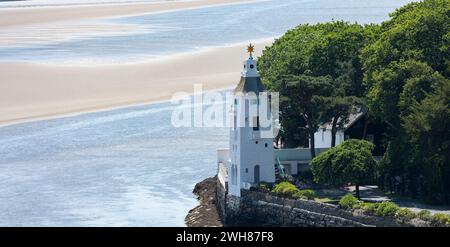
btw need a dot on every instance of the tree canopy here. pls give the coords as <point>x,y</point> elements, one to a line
<point>312,53</point>
<point>349,162</point>
<point>397,71</point>
<point>406,70</point>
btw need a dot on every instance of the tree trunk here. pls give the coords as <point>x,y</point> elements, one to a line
<point>333,131</point>
<point>366,123</point>
<point>312,144</point>
<point>357,191</point>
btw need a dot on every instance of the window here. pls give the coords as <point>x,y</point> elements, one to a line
<point>266,145</point>
<point>255,123</point>
<point>234,174</point>
<point>256,142</point>
<point>252,66</point>
<point>246,170</point>
<point>370,138</point>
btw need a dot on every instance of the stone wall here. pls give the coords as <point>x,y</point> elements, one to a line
<point>264,209</point>
<point>221,194</point>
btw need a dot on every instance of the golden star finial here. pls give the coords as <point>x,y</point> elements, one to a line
<point>250,49</point>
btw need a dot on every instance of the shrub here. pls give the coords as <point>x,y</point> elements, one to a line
<point>285,189</point>
<point>287,178</point>
<point>369,207</point>
<point>305,194</point>
<point>424,215</point>
<point>264,187</point>
<point>440,219</point>
<point>386,209</point>
<point>404,213</point>
<point>348,201</point>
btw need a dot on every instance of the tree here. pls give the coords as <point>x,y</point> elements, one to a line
<point>349,162</point>
<point>323,50</point>
<point>418,31</point>
<point>302,94</point>
<point>345,99</point>
<point>428,126</point>
<point>405,64</point>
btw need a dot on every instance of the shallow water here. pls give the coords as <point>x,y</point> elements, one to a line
<point>148,36</point>
<point>59,3</point>
<point>124,167</point>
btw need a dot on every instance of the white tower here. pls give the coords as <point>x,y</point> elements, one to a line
<point>251,144</point>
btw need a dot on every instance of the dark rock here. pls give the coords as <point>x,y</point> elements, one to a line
<point>205,214</point>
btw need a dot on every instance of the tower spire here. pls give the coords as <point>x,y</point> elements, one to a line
<point>250,49</point>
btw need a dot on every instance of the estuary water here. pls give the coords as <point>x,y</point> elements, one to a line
<point>142,37</point>
<point>123,167</point>
<point>129,166</point>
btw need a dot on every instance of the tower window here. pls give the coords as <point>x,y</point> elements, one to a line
<point>255,123</point>
<point>256,142</point>
<point>246,170</point>
<point>265,145</point>
<point>252,66</point>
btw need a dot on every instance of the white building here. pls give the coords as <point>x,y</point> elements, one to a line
<point>250,157</point>
<point>322,138</point>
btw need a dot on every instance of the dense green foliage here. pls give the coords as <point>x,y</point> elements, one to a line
<point>349,162</point>
<point>386,209</point>
<point>285,189</point>
<point>317,71</point>
<point>348,201</point>
<point>305,194</point>
<point>440,219</point>
<point>289,190</point>
<point>406,74</point>
<point>397,72</point>
<point>424,214</point>
<point>405,214</point>
<point>264,187</point>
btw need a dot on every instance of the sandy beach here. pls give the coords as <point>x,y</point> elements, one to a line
<point>30,91</point>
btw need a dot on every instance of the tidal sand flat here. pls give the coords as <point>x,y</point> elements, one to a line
<point>14,14</point>
<point>48,90</point>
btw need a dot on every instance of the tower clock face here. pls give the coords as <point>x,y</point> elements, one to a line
<point>252,66</point>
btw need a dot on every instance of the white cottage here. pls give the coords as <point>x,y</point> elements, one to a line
<point>250,157</point>
<point>322,138</point>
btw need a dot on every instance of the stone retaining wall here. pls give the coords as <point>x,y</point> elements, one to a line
<point>264,209</point>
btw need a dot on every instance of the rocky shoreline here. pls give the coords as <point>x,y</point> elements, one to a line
<point>205,214</point>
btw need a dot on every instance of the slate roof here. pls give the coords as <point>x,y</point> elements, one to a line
<point>250,84</point>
